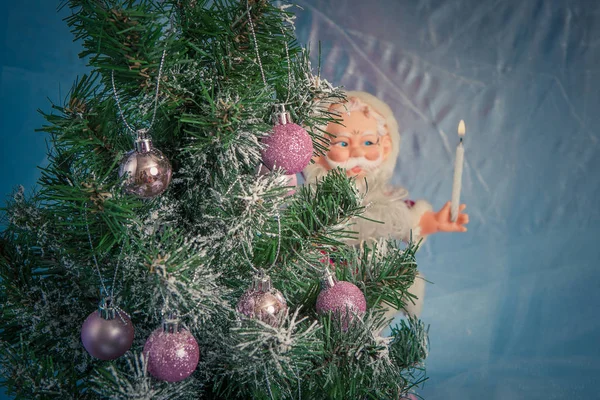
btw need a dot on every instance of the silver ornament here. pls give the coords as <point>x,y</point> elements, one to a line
<point>148,172</point>
<point>263,302</point>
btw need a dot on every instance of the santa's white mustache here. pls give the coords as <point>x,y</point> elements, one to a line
<point>352,162</point>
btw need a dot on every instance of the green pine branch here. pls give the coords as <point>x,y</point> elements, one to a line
<point>195,249</point>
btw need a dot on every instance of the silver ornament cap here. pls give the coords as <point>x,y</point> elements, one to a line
<point>107,309</point>
<point>171,324</point>
<point>281,116</point>
<point>262,283</point>
<point>143,145</point>
<point>328,280</point>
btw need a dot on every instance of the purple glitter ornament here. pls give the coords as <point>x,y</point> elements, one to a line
<point>340,297</point>
<point>288,147</point>
<point>263,302</point>
<point>172,352</point>
<point>107,333</point>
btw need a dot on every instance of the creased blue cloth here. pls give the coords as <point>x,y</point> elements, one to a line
<point>514,302</point>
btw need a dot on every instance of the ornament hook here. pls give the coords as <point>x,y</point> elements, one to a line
<point>262,282</point>
<point>328,280</point>
<point>171,323</point>
<point>143,143</point>
<point>281,116</point>
<point>107,309</point>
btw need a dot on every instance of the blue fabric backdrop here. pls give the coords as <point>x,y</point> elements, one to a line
<point>513,306</point>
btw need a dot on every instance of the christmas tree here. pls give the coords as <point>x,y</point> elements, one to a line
<point>155,261</point>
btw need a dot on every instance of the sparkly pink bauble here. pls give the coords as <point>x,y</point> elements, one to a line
<point>107,339</point>
<point>341,296</point>
<point>171,357</point>
<point>289,147</point>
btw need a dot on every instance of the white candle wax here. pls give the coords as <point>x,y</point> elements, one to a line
<point>457,182</point>
<point>458,167</point>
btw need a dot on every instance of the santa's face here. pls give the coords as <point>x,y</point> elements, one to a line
<point>356,143</point>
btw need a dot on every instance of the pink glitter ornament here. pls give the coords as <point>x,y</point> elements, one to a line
<point>288,147</point>
<point>340,297</point>
<point>172,352</point>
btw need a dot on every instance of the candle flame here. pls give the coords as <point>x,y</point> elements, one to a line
<point>461,128</point>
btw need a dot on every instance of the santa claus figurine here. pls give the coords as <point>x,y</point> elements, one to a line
<point>365,141</point>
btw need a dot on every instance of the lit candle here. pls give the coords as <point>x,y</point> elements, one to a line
<point>458,167</point>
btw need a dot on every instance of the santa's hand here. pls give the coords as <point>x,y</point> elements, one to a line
<point>445,220</point>
<point>441,221</point>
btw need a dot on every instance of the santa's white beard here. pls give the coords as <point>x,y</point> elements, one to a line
<point>352,162</point>
<point>383,203</point>
<point>374,174</point>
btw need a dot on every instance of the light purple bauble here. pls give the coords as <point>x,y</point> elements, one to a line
<point>171,357</point>
<point>107,339</point>
<point>267,307</point>
<point>341,296</point>
<point>147,174</point>
<point>288,147</point>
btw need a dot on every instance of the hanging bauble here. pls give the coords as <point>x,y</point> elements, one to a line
<point>148,172</point>
<point>171,352</point>
<point>107,333</point>
<point>262,301</point>
<point>341,298</point>
<point>288,146</point>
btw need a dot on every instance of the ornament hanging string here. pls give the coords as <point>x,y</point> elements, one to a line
<point>97,267</point>
<point>288,146</point>
<point>278,241</point>
<point>278,237</point>
<point>158,79</point>
<point>268,383</point>
<point>320,270</point>
<point>259,61</point>
<point>262,71</point>
<point>256,270</point>
<point>287,57</point>
<point>299,382</point>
